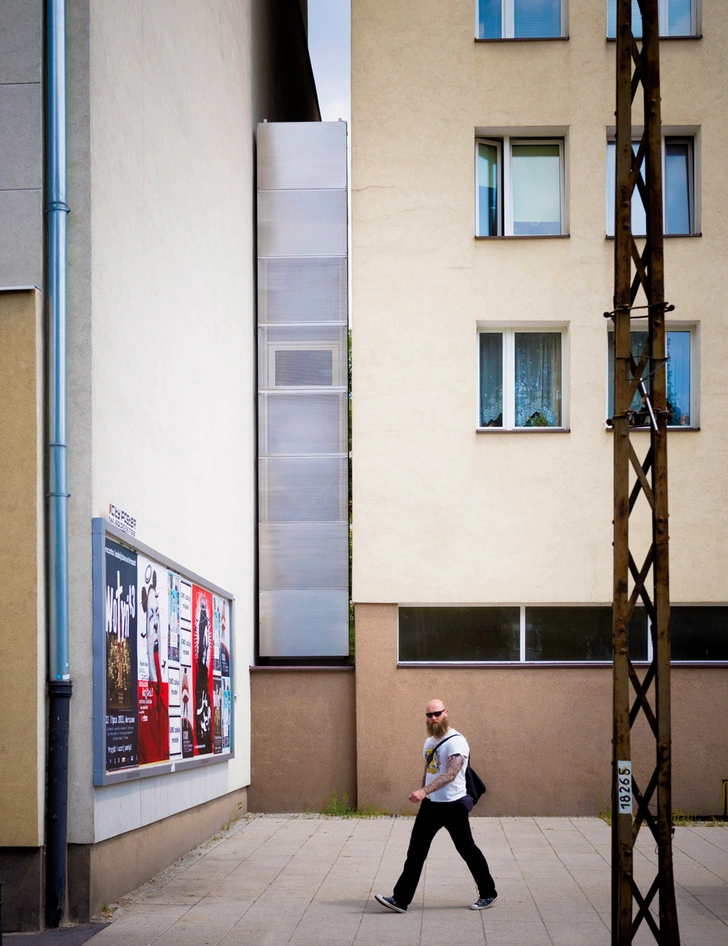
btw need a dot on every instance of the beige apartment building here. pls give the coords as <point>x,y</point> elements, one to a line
<point>482,454</point>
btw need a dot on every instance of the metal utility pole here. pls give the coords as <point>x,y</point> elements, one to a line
<point>640,577</point>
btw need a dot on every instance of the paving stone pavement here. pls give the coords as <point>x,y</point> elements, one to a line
<point>282,880</point>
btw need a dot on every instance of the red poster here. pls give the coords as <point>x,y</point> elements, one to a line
<point>153,680</point>
<point>202,663</point>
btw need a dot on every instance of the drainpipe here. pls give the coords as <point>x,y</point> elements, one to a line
<point>59,676</point>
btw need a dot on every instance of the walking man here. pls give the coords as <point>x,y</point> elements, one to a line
<point>444,803</point>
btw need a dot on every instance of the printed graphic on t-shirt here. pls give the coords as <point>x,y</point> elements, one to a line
<point>434,764</point>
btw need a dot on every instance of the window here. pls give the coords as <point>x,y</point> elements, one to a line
<point>520,186</point>
<point>677,18</point>
<point>518,19</point>
<point>554,634</point>
<point>521,378</point>
<point>681,388</point>
<point>516,634</point>
<point>678,188</point>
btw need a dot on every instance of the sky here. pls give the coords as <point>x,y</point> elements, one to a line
<point>329,27</point>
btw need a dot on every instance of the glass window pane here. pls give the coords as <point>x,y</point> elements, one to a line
<point>536,18</point>
<point>487,190</point>
<point>538,379</point>
<point>678,379</point>
<point>489,19</point>
<point>699,633</point>
<point>679,20</point>
<point>611,181</point>
<point>491,379</point>
<point>612,19</point>
<point>294,368</point>
<point>459,634</point>
<point>639,218</point>
<point>677,187</point>
<point>579,633</point>
<point>536,181</point>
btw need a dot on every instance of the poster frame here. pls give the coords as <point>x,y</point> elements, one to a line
<point>101,530</point>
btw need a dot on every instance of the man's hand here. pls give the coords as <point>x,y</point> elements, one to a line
<point>418,796</point>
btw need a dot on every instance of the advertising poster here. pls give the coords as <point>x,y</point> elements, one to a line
<point>120,626</point>
<point>226,713</point>
<point>225,639</point>
<point>152,662</point>
<point>173,623</point>
<point>187,721</point>
<point>162,663</point>
<point>202,669</point>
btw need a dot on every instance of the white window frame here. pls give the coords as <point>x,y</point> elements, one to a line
<point>663,12</point>
<point>508,21</point>
<point>508,330</point>
<point>679,135</point>
<point>694,329</point>
<point>332,346</point>
<point>503,145</point>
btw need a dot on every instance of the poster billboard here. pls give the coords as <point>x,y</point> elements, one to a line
<point>163,667</point>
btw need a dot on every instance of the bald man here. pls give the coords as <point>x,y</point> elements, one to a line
<point>444,803</point>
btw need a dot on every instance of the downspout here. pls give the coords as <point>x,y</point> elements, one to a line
<point>59,676</point>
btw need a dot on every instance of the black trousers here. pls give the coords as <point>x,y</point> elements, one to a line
<point>432,816</point>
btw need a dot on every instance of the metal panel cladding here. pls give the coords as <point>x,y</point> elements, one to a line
<point>302,390</point>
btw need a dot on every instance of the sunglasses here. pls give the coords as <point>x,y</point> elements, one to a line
<point>435,714</point>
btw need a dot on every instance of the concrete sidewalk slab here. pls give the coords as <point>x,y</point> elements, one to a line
<point>309,880</point>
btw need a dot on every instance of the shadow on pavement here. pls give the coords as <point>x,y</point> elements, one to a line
<point>65,936</point>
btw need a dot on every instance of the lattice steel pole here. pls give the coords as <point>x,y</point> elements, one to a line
<point>641,376</point>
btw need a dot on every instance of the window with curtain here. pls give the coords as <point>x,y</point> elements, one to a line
<point>521,379</point>
<point>519,19</point>
<point>678,188</point>
<point>519,187</point>
<point>677,18</point>
<point>680,394</point>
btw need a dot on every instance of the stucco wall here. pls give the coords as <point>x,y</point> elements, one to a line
<point>539,736</point>
<point>303,738</point>
<point>442,514</point>
<point>21,130</point>
<point>164,400</point>
<point>22,602</point>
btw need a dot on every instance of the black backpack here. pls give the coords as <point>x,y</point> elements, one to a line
<point>474,784</point>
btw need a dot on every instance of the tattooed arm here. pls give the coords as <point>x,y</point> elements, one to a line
<point>454,764</point>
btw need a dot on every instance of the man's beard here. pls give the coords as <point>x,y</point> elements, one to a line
<point>437,727</point>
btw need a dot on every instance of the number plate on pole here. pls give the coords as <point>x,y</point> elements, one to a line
<point>624,787</point>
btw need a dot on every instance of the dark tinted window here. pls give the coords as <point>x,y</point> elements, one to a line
<point>459,633</point>
<point>581,633</point>
<point>699,633</point>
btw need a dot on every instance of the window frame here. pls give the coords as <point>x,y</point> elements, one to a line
<point>294,345</point>
<point>689,136</point>
<point>504,149</point>
<point>694,329</point>
<point>663,14</point>
<point>533,664</point>
<point>508,24</point>
<point>508,330</point>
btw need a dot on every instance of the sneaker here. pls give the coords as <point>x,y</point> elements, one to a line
<point>484,902</point>
<point>390,903</point>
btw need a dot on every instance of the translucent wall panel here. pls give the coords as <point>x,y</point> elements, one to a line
<point>298,289</point>
<point>302,622</point>
<point>302,391</point>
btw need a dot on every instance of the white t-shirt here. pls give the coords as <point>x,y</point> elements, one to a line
<point>458,745</point>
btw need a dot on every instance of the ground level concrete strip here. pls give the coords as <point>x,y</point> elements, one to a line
<point>299,880</point>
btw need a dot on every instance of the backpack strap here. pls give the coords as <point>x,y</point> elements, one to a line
<point>431,752</point>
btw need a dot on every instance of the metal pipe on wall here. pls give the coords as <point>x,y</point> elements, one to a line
<point>59,677</point>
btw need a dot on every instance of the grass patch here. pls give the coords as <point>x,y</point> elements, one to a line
<point>340,808</point>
